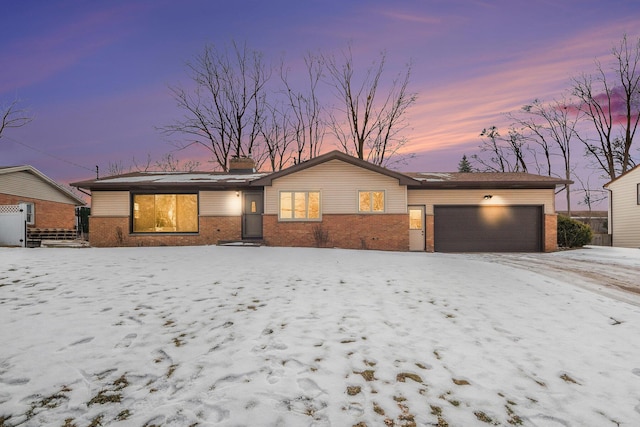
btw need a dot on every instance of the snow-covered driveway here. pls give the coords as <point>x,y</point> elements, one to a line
<point>228,336</point>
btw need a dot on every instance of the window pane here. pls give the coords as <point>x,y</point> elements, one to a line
<point>300,201</point>
<point>187,213</point>
<point>30,215</point>
<point>165,212</point>
<point>415,219</point>
<point>314,205</point>
<point>378,201</point>
<point>143,213</point>
<point>365,201</point>
<point>285,205</point>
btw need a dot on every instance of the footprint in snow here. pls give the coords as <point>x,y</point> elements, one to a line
<point>83,341</point>
<point>310,387</point>
<point>636,371</point>
<point>14,381</point>
<point>126,341</point>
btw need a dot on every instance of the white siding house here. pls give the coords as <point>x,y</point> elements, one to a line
<point>624,209</point>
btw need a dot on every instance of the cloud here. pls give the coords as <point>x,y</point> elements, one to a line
<point>453,112</point>
<point>35,59</point>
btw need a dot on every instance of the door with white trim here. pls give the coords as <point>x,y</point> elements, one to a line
<point>416,228</point>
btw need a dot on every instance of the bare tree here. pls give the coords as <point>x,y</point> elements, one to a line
<point>306,112</point>
<point>225,109</point>
<point>169,163</point>
<point>370,122</point>
<point>506,154</point>
<point>611,101</point>
<point>553,129</point>
<point>13,117</point>
<point>278,137</point>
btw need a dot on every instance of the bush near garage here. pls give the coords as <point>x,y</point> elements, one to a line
<point>572,233</point>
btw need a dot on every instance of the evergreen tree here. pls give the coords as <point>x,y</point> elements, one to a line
<point>464,165</point>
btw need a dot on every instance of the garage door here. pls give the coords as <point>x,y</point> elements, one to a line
<point>488,228</point>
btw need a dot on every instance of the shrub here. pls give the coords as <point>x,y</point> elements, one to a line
<point>320,236</point>
<point>572,233</point>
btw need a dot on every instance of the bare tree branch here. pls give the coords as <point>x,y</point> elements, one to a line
<point>611,101</point>
<point>225,109</point>
<point>368,125</point>
<point>13,117</point>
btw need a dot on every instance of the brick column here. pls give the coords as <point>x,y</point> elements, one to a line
<point>550,232</point>
<point>429,233</point>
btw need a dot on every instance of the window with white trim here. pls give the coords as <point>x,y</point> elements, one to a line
<point>371,201</point>
<point>31,213</point>
<point>299,206</point>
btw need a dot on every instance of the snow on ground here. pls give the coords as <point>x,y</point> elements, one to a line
<point>244,336</point>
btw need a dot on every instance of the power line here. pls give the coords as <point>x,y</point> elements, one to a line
<point>49,154</point>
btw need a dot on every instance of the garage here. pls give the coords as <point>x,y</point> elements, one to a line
<point>488,228</point>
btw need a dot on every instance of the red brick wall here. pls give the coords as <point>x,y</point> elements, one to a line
<point>388,232</point>
<point>550,233</point>
<point>48,214</point>
<point>430,246</point>
<point>114,231</point>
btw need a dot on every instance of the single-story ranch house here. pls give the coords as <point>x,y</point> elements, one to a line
<point>334,200</point>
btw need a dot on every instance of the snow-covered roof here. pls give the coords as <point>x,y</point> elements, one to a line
<point>154,178</point>
<point>233,179</point>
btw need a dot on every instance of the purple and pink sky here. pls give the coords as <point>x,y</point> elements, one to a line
<point>95,75</point>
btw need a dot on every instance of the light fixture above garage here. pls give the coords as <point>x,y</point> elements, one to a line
<point>487,196</point>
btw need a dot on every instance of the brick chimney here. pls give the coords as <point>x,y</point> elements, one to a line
<point>242,165</point>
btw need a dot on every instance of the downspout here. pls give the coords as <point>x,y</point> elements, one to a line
<point>610,215</point>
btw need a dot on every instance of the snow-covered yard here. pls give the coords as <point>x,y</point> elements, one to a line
<point>233,336</point>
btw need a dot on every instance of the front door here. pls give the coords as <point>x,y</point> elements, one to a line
<point>416,228</point>
<point>252,215</point>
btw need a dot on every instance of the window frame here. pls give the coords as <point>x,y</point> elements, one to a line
<point>293,218</point>
<point>133,194</point>
<point>31,212</point>
<point>371,211</point>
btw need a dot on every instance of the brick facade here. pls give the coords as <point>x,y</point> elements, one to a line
<point>47,214</point>
<point>114,231</point>
<point>429,225</point>
<point>388,232</point>
<point>550,233</point>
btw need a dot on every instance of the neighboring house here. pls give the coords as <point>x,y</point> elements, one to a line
<point>48,204</point>
<point>624,209</point>
<point>333,200</point>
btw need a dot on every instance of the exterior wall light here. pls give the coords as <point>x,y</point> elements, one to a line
<point>487,196</point>
<point>237,194</point>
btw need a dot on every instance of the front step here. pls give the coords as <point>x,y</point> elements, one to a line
<point>244,242</point>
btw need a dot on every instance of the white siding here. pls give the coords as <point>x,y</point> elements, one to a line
<point>338,183</point>
<point>625,211</point>
<point>429,198</point>
<point>110,203</point>
<point>25,184</point>
<point>220,203</point>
